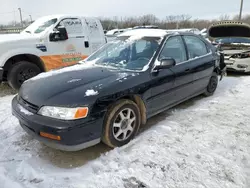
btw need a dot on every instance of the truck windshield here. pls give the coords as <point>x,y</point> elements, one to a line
<point>40,25</point>
<point>125,53</point>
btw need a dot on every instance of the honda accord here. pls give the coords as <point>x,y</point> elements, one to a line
<point>109,95</point>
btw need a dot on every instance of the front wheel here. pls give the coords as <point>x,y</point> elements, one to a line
<point>212,85</point>
<point>121,124</point>
<point>21,72</point>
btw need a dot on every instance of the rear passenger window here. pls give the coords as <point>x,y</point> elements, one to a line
<point>196,47</point>
<point>174,48</point>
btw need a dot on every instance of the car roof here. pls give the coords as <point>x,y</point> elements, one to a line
<point>153,33</point>
<point>145,33</point>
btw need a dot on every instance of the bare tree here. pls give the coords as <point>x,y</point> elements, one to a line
<point>170,21</point>
<point>148,19</point>
<point>224,17</point>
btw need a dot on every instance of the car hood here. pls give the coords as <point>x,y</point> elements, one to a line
<point>235,48</point>
<point>71,85</point>
<point>229,29</point>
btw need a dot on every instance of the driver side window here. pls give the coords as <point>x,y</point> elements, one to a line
<point>73,26</point>
<point>174,48</point>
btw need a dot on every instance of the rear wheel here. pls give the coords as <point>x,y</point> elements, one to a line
<point>20,72</point>
<point>121,123</point>
<point>212,85</point>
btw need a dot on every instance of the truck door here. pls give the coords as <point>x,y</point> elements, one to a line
<point>70,51</point>
<point>96,37</point>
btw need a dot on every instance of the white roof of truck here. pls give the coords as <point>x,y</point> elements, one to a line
<point>52,16</point>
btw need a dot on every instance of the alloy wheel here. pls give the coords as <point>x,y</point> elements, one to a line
<point>124,124</point>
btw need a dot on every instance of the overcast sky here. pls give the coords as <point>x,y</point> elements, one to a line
<point>110,8</point>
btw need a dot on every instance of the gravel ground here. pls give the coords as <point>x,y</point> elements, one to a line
<point>5,90</point>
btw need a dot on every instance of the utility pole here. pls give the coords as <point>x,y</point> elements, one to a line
<point>30,19</point>
<point>241,7</point>
<point>21,18</point>
<point>14,18</point>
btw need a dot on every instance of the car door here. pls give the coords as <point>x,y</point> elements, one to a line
<point>171,84</point>
<point>175,48</point>
<point>67,52</point>
<point>201,62</point>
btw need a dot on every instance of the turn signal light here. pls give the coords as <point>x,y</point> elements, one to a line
<point>50,136</point>
<point>81,113</point>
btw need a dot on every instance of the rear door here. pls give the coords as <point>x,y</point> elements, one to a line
<point>96,36</point>
<point>201,62</point>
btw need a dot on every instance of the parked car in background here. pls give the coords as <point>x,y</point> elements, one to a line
<point>146,27</point>
<point>49,43</point>
<point>108,96</point>
<point>112,34</point>
<point>233,39</point>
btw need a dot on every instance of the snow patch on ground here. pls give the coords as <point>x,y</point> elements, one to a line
<point>203,143</point>
<point>91,92</point>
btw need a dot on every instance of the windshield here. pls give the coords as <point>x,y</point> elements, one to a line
<point>126,53</point>
<point>232,40</point>
<point>40,25</point>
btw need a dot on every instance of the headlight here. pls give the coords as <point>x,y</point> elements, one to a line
<point>64,113</point>
<point>242,66</point>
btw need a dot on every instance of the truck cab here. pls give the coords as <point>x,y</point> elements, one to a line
<point>48,43</point>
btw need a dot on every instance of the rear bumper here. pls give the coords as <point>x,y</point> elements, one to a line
<point>1,75</point>
<point>75,135</point>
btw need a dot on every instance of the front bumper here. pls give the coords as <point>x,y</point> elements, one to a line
<point>1,75</point>
<point>238,65</point>
<point>75,135</point>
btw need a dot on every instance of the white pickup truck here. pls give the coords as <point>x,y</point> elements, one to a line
<point>49,43</point>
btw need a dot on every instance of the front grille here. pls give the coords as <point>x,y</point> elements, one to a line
<point>29,106</point>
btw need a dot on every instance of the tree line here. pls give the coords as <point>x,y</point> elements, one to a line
<point>170,22</point>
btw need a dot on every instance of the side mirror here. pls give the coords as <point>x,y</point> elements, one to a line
<point>59,35</point>
<point>165,63</point>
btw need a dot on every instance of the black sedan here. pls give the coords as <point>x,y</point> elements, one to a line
<point>114,91</point>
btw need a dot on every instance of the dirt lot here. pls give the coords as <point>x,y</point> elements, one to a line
<point>6,90</point>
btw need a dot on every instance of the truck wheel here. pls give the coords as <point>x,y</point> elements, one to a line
<point>20,72</point>
<point>212,85</point>
<point>121,123</point>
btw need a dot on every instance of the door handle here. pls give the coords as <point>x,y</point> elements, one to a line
<point>187,70</point>
<point>86,44</point>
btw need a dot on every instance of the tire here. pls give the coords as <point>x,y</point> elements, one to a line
<point>212,85</point>
<point>20,72</point>
<point>111,136</point>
